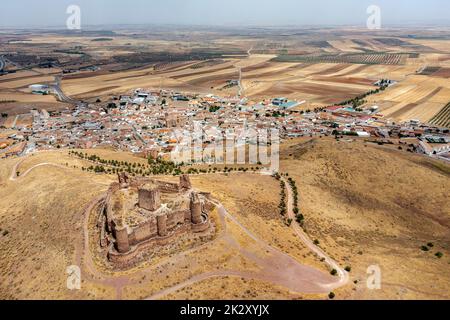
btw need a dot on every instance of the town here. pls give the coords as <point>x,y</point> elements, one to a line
<point>145,121</point>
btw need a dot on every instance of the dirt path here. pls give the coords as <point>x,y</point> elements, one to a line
<point>342,274</point>
<point>241,87</point>
<point>13,176</point>
<point>16,166</point>
<point>275,266</point>
<point>196,279</point>
<point>85,261</point>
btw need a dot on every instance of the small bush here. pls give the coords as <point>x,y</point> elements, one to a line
<point>331,295</point>
<point>316,242</point>
<point>439,254</point>
<point>430,244</point>
<point>424,248</point>
<point>333,272</point>
<point>348,268</point>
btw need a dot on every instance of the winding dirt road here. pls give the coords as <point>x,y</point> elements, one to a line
<point>275,266</point>
<point>341,273</point>
<point>14,176</point>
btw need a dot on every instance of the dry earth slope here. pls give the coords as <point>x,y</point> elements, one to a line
<point>371,206</point>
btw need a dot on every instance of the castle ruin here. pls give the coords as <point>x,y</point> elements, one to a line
<point>141,213</point>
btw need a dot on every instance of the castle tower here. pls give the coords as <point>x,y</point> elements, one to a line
<point>185,182</point>
<point>162,225</point>
<point>149,197</point>
<point>122,243</point>
<point>196,209</point>
<point>123,178</point>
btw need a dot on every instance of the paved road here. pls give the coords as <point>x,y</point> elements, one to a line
<point>15,122</point>
<point>2,63</point>
<point>60,93</point>
<point>138,135</point>
<point>241,87</point>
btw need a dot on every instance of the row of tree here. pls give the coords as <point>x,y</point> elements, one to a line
<point>298,216</point>
<point>358,100</point>
<point>154,166</point>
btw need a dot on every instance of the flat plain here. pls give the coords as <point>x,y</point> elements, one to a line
<point>319,66</point>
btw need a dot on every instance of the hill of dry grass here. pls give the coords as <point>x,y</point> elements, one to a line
<point>371,206</point>
<point>366,205</point>
<point>43,214</point>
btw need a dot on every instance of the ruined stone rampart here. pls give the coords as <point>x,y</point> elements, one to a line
<point>187,213</point>
<point>108,207</point>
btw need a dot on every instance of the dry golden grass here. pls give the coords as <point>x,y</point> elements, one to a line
<point>371,206</point>
<point>41,212</point>
<point>236,288</point>
<point>254,199</point>
<point>25,97</point>
<point>20,83</point>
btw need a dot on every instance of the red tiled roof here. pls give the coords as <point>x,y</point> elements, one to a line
<point>333,108</point>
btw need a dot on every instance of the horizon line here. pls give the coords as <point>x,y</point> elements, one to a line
<point>418,24</point>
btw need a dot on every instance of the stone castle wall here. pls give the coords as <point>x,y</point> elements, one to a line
<point>161,227</point>
<point>149,197</point>
<point>109,213</point>
<point>166,187</point>
<point>144,231</point>
<point>129,259</point>
<point>174,218</point>
<point>122,238</point>
<point>157,226</point>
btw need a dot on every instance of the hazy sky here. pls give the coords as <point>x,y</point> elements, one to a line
<point>222,12</point>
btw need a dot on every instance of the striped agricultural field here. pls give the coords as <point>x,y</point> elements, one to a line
<point>442,119</point>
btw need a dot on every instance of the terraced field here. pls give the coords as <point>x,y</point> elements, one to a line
<point>417,97</point>
<point>366,58</point>
<point>443,117</point>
